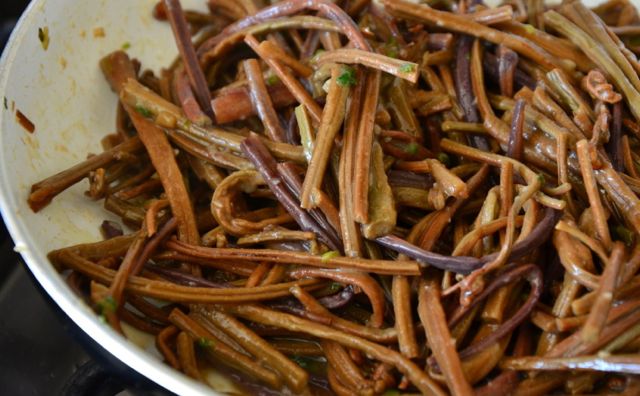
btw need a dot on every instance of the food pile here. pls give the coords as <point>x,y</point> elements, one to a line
<point>376,197</point>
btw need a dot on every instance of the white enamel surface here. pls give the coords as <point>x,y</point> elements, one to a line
<point>63,92</point>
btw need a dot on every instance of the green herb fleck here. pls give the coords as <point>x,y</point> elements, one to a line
<point>43,36</point>
<point>272,80</point>
<point>634,41</point>
<point>529,28</point>
<point>205,343</point>
<point>391,392</point>
<point>407,68</point>
<point>300,361</point>
<point>126,46</point>
<point>107,305</point>
<point>541,179</point>
<point>412,148</point>
<point>445,159</point>
<point>329,255</point>
<point>391,48</point>
<point>102,318</point>
<point>335,287</point>
<point>144,111</point>
<point>624,234</point>
<point>348,77</point>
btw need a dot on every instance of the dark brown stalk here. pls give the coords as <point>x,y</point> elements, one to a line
<point>233,104</point>
<point>188,53</point>
<point>345,368</point>
<point>614,146</point>
<point>162,157</point>
<point>387,267</point>
<point>460,24</point>
<point>287,8</point>
<point>533,275</point>
<point>224,353</point>
<point>44,191</point>
<point>467,264</point>
<point>604,296</point>
<point>326,213</point>
<point>188,101</point>
<point>507,66</point>
<point>153,243</point>
<point>491,68</point>
<point>293,375</point>
<point>162,343</point>
<point>620,363</point>
<point>255,150</point>
<point>358,279</point>
<point>443,346</point>
<point>516,134</point>
<point>464,91</point>
<point>262,101</point>
<point>339,299</point>
<point>167,291</point>
<point>272,318</point>
<point>289,80</point>
<point>402,309</point>
<point>404,178</point>
<point>187,356</point>
<point>364,146</point>
<point>330,122</point>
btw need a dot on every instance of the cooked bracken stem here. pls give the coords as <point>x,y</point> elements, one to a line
<point>277,256</point>
<point>259,155</point>
<point>332,117</point>
<point>364,148</point>
<point>189,57</point>
<point>516,135</point>
<point>262,101</point>
<point>443,346</point>
<point>294,86</point>
<point>273,318</point>
<point>598,316</point>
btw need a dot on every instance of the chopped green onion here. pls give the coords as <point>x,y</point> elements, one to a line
<point>348,77</point>
<point>407,68</point>
<point>144,111</point>
<point>623,234</point>
<point>445,159</point>
<point>272,80</point>
<point>107,305</point>
<point>335,286</point>
<point>126,46</point>
<point>411,148</point>
<point>541,179</point>
<point>329,255</point>
<point>391,48</point>
<point>300,361</point>
<point>205,343</point>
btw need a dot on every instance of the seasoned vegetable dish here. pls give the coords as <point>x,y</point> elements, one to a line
<point>376,197</point>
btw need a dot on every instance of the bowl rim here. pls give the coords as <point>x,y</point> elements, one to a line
<point>49,278</point>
